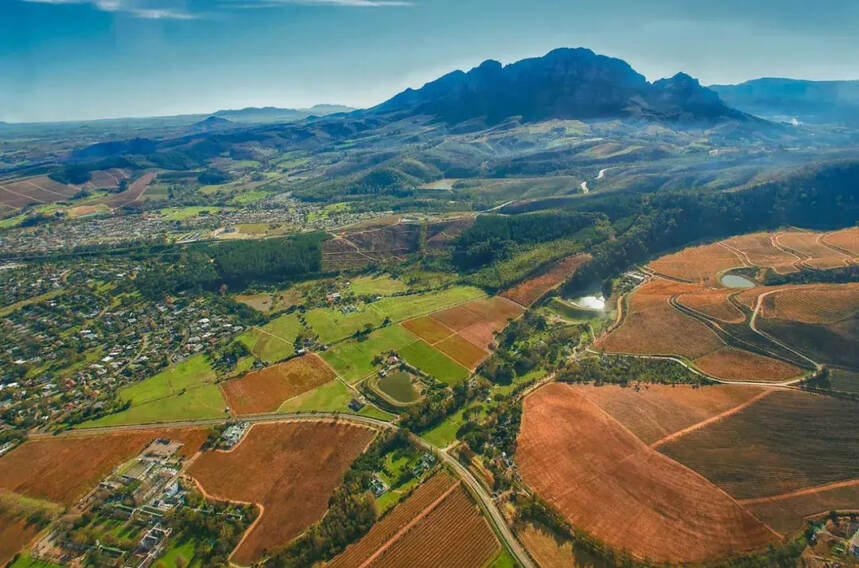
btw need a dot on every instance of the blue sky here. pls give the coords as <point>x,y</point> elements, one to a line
<point>81,59</point>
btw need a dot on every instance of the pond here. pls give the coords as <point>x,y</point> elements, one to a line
<point>592,302</point>
<point>736,281</point>
<point>399,387</point>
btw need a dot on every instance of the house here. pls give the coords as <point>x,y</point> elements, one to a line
<point>853,545</point>
<point>377,486</point>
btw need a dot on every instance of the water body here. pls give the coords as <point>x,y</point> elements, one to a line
<point>592,302</point>
<point>736,281</point>
<point>399,387</point>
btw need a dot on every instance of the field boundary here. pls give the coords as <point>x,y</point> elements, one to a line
<point>799,492</point>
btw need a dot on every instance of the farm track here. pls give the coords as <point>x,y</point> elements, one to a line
<point>799,492</point>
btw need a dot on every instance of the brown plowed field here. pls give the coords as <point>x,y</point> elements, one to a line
<point>813,303</point>
<point>133,193</point>
<point>463,352</point>
<point>428,329</point>
<point>732,364</point>
<point>786,514</point>
<point>845,239</point>
<point>289,468</point>
<point>606,481</point>
<point>814,253</point>
<point>15,533</point>
<point>478,321</point>
<point>653,326</point>
<point>40,189</point>
<point>529,291</point>
<point>697,264</point>
<point>714,303</point>
<point>759,249</point>
<point>265,390</point>
<point>454,534</point>
<point>655,411</point>
<point>787,441</point>
<point>64,469</point>
<point>385,529</point>
<point>749,296</point>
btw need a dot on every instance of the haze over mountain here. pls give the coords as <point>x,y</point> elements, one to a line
<point>785,99</point>
<point>565,83</point>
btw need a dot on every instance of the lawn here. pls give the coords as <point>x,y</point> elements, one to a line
<point>380,284</point>
<point>24,560</point>
<point>353,359</point>
<point>190,373</point>
<point>433,363</point>
<point>275,340</point>
<point>444,434</point>
<point>181,213</point>
<point>198,403</point>
<point>184,549</point>
<point>331,324</point>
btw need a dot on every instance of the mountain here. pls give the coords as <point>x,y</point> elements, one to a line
<point>786,99</point>
<point>210,124</point>
<point>275,114</point>
<point>565,83</point>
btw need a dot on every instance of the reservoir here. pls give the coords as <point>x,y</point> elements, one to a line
<point>736,281</point>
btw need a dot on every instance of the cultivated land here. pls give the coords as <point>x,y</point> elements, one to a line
<point>275,340</point>
<point>34,190</point>
<point>787,513</point>
<point>700,264</point>
<point>478,321</point>
<point>544,547</point>
<point>811,248</point>
<point>760,249</point>
<point>713,303</point>
<point>389,528</point>
<point>529,291</point>
<point>382,285</point>
<point>450,532</point>
<point>289,468</point>
<point>266,389</point>
<point>733,364</point>
<point>64,469</point>
<point>846,240</point>
<point>15,531</point>
<point>353,359</point>
<point>433,363</point>
<point>609,483</point>
<point>787,441</point>
<point>656,411</point>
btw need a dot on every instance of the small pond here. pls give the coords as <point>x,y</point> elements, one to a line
<point>399,387</point>
<point>736,281</point>
<point>593,302</point>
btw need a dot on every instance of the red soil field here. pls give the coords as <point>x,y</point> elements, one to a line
<point>40,189</point>
<point>699,264</point>
<point>453,534</point>
<point>266,389</point>
<point>749,296</point>
<point>529,291</point>
<point>786,513</point>
<point>400,516</point>
<point>65,468</point>
<point>107,179</point>
<point>653,326</point>
<point>814,253</point>
<point>758,249</point>
<point>845,239</point>
<point>607,482</point>
<point>544,548</point>
<point>15,533</point>
<point>714,303</point>
<point>289,468</point>
<point>732,364</point>
<point>463,352</point>
<point>787,441</point>
<point>133,193</point>
<point>656,411</point>
<point>814,303</point>
<point>428,329</point>
<point>478,321</point>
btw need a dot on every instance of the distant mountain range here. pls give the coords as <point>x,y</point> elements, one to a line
<point>565,83</point>
<point>786,99</point>
<point>275,114</point>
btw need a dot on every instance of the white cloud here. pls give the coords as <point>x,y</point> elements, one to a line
<point>136,8</point>
<point>347,3</point>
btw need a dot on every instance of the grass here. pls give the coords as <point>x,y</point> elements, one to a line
<point>434,363</point>
<point>24,560</point>
<point>505,272</point>
<point>444,434</point>
<point>189,374</point>
<point>332,325</point>
<point>330,397</point>
<point>11,222</point>
<point>6,310</point>
<point>275,340</point>
<point>181,213</point>
<point>382,285</point>
<point>250,196</point>
<point>502,560</point>
<point>844,380</point>
<point>199,403</point>
<point>185,549</point>
<point>353,359</point>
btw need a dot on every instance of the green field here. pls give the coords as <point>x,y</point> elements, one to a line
<point>444,434</point>
<point>190,373</point>
<point>275,340</point>
<point>198,403</point>
<point>382,285</point>
<point>433,363</point>
<point>330,397</point>
<point>332,325</point>
<point>24,560</point>
<point>844,380</point>
<point>184,549</point>
<point>181,213</point>
<point>353,359</point>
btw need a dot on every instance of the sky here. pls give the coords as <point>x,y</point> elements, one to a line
<point>87,59</point>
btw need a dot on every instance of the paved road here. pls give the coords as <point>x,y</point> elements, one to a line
<point>485,500</point>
